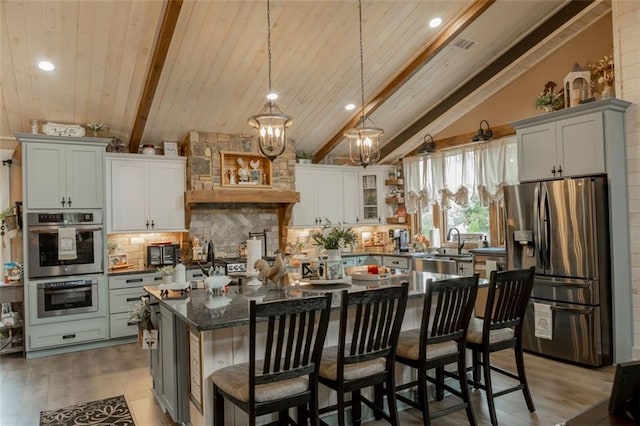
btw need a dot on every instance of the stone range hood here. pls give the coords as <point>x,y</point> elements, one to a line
<point>205,191</point>
<point>283,200</point>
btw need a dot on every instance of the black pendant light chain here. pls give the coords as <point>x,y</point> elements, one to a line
<point>361,61</point>
<point>269,41</point>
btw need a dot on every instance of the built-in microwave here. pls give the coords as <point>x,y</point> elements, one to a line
<point>64,243</point>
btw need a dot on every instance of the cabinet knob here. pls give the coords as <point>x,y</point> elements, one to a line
<point>379,219</point>
<point>147,224</point>
<point>69,201</point>
<point>63,202</point>
<point>559,173</point>
<point>553,170</point>
<point>152,224</point>
<point>357,219</point>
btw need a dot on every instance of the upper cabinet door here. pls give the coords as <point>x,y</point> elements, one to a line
<point>304,213</point>
<point>580,145</point>
<point>128,195</point>
<point>64,176</point>
<point>328,196</point>
<point>166,195</point>
<point>350,197</point>
<point>85,176</point>
<point>45,176</point>
<point>146,195</point>
<point>536,152</point>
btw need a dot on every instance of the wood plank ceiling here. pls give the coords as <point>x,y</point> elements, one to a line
<point>215,72</point>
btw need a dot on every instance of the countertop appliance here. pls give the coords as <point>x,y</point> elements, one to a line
<point>400,238</point>
<point>562,228</point>
<point>163,254</point>
<point>44,236</point>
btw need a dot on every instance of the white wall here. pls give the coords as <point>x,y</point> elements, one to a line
<point>626,39</point>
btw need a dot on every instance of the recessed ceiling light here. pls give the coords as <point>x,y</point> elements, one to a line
<point>46,66</point>
<point>350,107</point>
<point>272,96</point>
<point>435,22</point>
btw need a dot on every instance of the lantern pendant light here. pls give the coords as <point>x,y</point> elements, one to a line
<point>271,122</point>
<point>364,147</point>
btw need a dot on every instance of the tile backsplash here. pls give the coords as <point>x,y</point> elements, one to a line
<point>134,245</point>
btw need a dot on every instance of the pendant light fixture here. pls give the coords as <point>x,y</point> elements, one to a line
<point>364,142</point>
<point>271,122</point>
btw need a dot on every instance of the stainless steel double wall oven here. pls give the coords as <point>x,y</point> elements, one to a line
<point>59,290</point>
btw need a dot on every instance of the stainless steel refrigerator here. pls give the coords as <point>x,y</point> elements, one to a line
<point>562,228</point>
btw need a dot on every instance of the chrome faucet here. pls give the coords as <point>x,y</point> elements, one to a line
<point>460,245</point>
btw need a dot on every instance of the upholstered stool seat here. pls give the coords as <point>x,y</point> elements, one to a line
<point>474,335</point>
<point>234,380</point>
<point>329,366</point>
<point>409,346</point>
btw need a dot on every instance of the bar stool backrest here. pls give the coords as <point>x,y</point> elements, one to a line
<point>373,330</point>
<point>296,330</point>
<point>448,305</point>
<point>507,299</point>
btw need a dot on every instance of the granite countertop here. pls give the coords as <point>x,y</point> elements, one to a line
<point>149,270</point>
<point>204,311</point>
<point>491,251</point>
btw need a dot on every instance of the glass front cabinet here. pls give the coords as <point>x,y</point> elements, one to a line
<point>371,195</point>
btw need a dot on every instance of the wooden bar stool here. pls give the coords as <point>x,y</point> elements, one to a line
<point>287,375</point>
<point>507,299</point>
<point>440,341</point>
<point>366,351</point>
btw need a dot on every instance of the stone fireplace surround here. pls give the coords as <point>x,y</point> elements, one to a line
<point>229,224</point>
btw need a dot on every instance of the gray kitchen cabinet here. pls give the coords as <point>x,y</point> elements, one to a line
<point>145,194</point>
<point>63,172</point>
<point>565,143</point>
<point>163,361</point>
<point>124,293</point>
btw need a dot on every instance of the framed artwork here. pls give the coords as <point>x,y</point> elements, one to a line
<point>255,176</point>
<point>334,270</point>
<point>171,149</point>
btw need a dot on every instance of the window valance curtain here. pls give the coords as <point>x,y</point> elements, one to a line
<point>459,175</point>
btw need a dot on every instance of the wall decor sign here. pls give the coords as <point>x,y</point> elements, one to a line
<point>57,129</point>
<point>171,149</point>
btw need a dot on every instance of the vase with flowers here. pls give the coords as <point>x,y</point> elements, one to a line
<point>548,100</point>
<point>167,273</point>
<point>603,70</point>
<point>333,238</point>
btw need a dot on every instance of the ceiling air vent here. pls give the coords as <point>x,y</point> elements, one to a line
<point>463,43</point>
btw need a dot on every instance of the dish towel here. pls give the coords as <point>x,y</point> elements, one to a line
<point>543,320</point>
<point>67,244</point>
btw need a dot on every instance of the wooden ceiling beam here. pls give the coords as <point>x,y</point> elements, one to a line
<point>448,34</point>
<point>528,42</point>
<point>167,27</point>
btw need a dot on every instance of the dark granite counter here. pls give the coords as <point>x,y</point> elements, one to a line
<point>204,311</point>
<point>149,270</point>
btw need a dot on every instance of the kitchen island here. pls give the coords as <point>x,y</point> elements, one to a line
<point>200,333</point>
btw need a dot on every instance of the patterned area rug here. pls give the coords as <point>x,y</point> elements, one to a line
<point>110,411</point>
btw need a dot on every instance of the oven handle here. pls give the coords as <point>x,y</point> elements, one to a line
<point>68,289</point>
<point>52,230</point>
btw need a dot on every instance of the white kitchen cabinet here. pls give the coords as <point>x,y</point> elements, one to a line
<point>145,193</point>
<point>63,172</point>
<point>371,194</point>
<point>351,209</point>
<point>559,148</point>
<point>321,195</point>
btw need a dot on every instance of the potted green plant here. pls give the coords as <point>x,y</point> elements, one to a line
<point>333,238</point>
<point>548,100</point>
<point>167,273</point>
<point>304,157</point>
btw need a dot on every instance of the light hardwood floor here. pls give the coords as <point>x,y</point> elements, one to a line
<point>27,387</point>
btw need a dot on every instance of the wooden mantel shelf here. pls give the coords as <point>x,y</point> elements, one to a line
<point>242,195</point>
<point>284,199</point>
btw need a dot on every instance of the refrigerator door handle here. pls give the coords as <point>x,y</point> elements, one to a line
<point>547,229</point>
<point>579,311</point>
<point>539,246</point>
